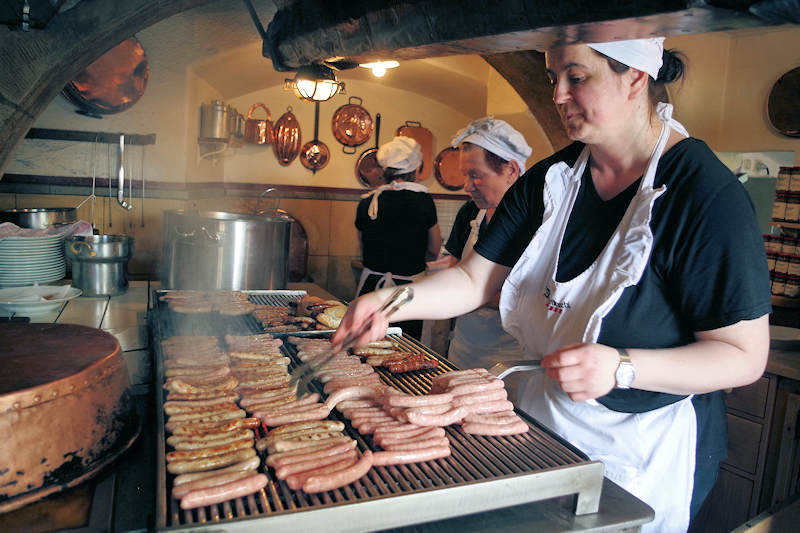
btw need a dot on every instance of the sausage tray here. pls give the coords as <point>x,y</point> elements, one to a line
<point>483,473</point>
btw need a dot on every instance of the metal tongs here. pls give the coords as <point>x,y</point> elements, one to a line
<point>506,368</point>
<point>302,374</point>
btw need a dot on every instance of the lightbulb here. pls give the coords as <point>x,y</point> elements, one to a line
<point>379,68</point>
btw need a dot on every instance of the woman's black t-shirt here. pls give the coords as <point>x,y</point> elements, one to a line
<point>707,268</point>
<point>397,239</point>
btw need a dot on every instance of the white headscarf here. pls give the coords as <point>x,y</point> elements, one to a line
<point>641,54</point>
<point>402,153</point>
<point>496,136</point>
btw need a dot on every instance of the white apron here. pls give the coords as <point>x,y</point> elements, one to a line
<point>479,339</point>
<point>652,454</point>
<point>387,278</point>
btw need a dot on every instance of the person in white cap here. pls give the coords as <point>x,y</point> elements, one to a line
<point>397,224</point>
<point>492,155</point>
<point>632,265</point>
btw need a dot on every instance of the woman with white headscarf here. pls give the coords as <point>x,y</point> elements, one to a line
<point>632,264</point>
<point>397,224</point>
<point>492,155</point>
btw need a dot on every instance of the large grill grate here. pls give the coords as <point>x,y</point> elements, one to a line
<point>490,472</point>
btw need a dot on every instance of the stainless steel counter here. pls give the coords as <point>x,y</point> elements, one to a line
<point>133,477</point>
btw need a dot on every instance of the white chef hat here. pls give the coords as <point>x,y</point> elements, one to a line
<point>496,136</point>
<point>641,54</point>
<point>402,153</point>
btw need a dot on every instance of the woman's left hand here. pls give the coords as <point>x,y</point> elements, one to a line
<point>584,371</point>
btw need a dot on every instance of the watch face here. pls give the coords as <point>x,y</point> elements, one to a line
<point>625,375</point>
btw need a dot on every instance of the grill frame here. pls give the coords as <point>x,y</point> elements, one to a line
<point>506,480</point>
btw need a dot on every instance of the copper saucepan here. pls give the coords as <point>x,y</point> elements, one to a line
<point>287,138</point>
<point>446,169</point>
<point>315,154</point>
<point>351,125</point>
<point>368,172</point>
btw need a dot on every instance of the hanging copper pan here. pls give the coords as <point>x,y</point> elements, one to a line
<point>424,137</point>
<point>112,83</point>
<point>445,167</point>
<point>288,139</point>
<point>315,154</point>
<point>368,172</point>
<point>258,130</point>
<point>351,125</point>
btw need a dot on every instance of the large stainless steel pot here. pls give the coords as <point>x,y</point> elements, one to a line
<point>100,263</point>
<point>39,218</point>
<point>219,250</point>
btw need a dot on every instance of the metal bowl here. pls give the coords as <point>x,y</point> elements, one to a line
<point>39,218</point>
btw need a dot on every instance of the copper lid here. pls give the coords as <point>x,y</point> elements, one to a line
<point>44,361</point>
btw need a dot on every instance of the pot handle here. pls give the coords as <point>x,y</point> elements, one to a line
<point>256,106</point>
<point>75,244</point>
<point>211,236</point>
<point>183,234</point>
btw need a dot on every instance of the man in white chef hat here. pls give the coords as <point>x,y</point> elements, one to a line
<point>397,224</point>
<point>492,155</point>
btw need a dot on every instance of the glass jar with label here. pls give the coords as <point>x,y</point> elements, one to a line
<point>782,264</point>
<point>794,265</point>
<point>792,213</point>
<point>784,181</point>
<point>779,284</point>
<point>792,286</point>
<point>779,206</point>
<point>772,258</point>
<point>772,243</point>
<point>788,245</point>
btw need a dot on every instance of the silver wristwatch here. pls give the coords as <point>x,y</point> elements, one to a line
<point>625,372</point>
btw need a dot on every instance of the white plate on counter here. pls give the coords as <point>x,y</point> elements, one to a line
<point>7,302</point>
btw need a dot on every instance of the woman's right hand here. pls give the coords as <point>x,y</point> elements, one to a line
<point>364,320</point>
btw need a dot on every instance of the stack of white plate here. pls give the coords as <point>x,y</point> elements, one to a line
<point>29,260</point>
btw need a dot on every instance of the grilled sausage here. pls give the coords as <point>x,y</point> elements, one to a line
<point>453,416</point>
<point>480,397</point>
<point>296,481</point>
<point>383,440</point>
<point>186,419</point>
<point>174,407</point>
<point>497,406</point>
<point>339,478</point>
<point>234,489</point>
<point>243,466</point>
<point>272,418</point>
<point>407,400</point>
<point>318,425</point>
<point>513,428</point>
<point>179,442</point>
<point>352,392</point>
<point>211,451</point>
<point>401,457</point>
<point>280,459</point>
<point>199,430</point>
<point>180,491</point>
<point>303,466</point>
<point>210,463</point>
<point>420,444</point>
<point>306,443</point>
<point>180,412</point>
<point>493,418</point>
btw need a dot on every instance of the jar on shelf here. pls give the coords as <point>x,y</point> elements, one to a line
<point>784,181</point>
<point>788,245</point>
<point>792,213</point>
<point>779,206</point>
<point>782,264</point>
<point>772,258</point>
<point>772,243</point>
<point>794,265</point>
<point>792,286</point>
<point>779,284</point>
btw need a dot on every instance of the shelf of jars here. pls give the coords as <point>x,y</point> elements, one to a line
<point>783,247</point>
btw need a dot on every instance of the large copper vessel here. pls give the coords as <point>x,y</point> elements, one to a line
<point>65,411</point>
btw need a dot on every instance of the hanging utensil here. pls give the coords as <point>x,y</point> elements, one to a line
<point>351,125</point>
<point>142,199</point>
<point>288,138</point>
<point>424,137</point>
<point>368,172</point>
<point>121,175</point>
<point>315,154</point>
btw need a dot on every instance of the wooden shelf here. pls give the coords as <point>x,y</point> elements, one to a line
<point>782,301</point>
<point>90,136</point>
<point>795,225</point>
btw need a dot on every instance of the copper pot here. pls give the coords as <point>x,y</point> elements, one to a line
<point>288,138</point>
<point>256,130</point>
<point>424,137</point>
<point>351,125</point>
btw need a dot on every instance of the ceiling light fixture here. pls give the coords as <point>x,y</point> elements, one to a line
<point>314,83</point>
<point>379,68</point>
